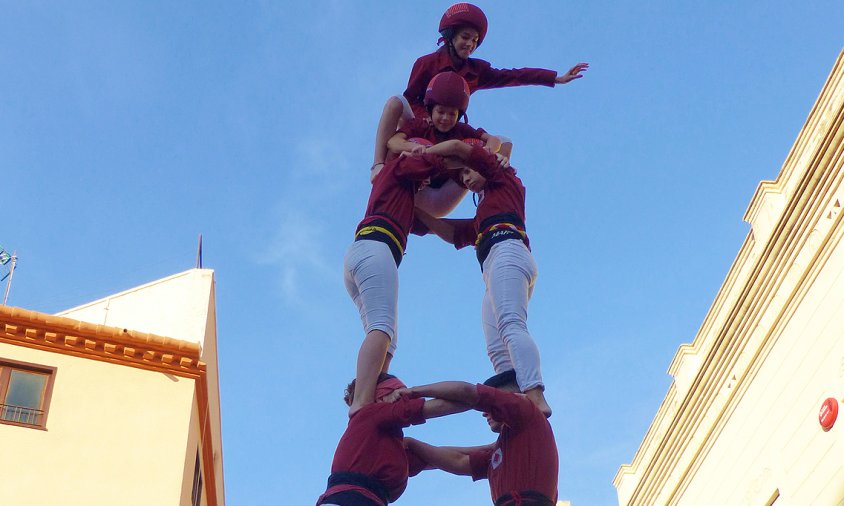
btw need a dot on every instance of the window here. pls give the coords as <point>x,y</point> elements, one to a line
<point>25,391</point>
<point>196,492</point>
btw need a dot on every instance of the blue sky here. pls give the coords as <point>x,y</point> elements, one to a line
<point>129,128</point>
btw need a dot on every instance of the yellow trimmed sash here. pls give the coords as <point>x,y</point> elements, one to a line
<point>501,226</point>
<point>374,228</point>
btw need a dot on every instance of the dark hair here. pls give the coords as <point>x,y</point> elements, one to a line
<point>349,392</point>
<point>447,35</point>
<point>504,379</point>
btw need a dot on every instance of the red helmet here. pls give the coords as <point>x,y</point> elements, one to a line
<point>463,14</point>
<point>448,89</point>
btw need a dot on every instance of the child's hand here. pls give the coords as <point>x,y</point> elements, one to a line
<point>493,144</point>
<point>419,149</point>
<point>390,397</point>
<point>572,74</point>
<point>503,161</point>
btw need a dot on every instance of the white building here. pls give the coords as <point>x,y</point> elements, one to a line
<point>740,423</point>
<point>115,402</point>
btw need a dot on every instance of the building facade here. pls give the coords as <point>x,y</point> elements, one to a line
<point>114,402</point>
<point>741,422</point>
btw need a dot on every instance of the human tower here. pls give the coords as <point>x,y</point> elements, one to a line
<point>425,162</point>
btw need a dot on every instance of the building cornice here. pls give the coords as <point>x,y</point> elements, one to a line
<point>99,342</point>
<point>796,224</point>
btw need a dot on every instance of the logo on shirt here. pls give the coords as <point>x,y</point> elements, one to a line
<point>497,457</point>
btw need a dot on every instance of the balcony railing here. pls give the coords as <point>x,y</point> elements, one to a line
<point>20,414</point>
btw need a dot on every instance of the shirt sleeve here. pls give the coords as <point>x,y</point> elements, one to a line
<point>413,128</point>
<point>484,162</point>
<point>417,168</point>
<point>419,228</point>
<point>420,74</point>
<point>402,413</point>
<point>489,77</point>
<point>464,232</point>
<point>479,463</point>
<point>467,131</point>
<point>415,464</point>
<point>506,407</point>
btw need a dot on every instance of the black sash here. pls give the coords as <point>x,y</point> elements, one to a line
<point>382,231</point>
<point>358,480</point>
<point>524,498</point>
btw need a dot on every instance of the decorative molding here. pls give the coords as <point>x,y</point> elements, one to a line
<point>98,342</point>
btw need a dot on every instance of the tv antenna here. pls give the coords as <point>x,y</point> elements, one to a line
<point>9,260</point>
<point>199,253</point>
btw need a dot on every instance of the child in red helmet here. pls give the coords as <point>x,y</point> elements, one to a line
<point>462,28</point>
<point>371,466</point>
<point>446,99</point>
<point>503,249</point>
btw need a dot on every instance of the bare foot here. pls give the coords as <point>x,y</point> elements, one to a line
<point>537,396</point>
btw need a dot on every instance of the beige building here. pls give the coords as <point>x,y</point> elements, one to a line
<point>115,402</point>
<point>741,422</point>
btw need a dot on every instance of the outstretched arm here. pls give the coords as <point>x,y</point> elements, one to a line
<point>443,229</point>
<point>435,408</point>
<point>572,74</point>
<point>451,147</point>
<point>398,143</point>
<point>449,459</point>
<point>458,391</point>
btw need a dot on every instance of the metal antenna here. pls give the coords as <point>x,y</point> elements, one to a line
<point>199,253</point>
<point>6,258</point>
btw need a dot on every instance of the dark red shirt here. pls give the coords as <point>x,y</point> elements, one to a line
<point>419,127</point>
<point>372,444</point>
<point>394,189</point>
<point>504,193</point>
<point>525,455</point>
<point>479,74</point>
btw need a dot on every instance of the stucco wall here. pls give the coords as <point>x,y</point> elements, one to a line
<point>772,441</point>
<point>115,435</point>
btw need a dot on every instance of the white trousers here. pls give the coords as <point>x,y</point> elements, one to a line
<point>510,274</point>
<point>372,280</point>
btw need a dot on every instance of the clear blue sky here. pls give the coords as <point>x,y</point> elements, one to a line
<point>129,128</point>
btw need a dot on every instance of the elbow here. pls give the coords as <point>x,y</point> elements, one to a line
<point>469,393</point>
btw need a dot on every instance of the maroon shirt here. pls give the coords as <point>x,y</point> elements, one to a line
<point>394,189</point>
<point>479,74</point>
<point>372,444</point>
<point>504,193</point>
<point>419,127</point>
<point>525,455</point>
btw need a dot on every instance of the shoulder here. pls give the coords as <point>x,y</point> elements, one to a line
<point>431,59</point>
<point>477,63</point>
<point>418,124</point>
<point>464,130</point>
<point>507,404</point>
